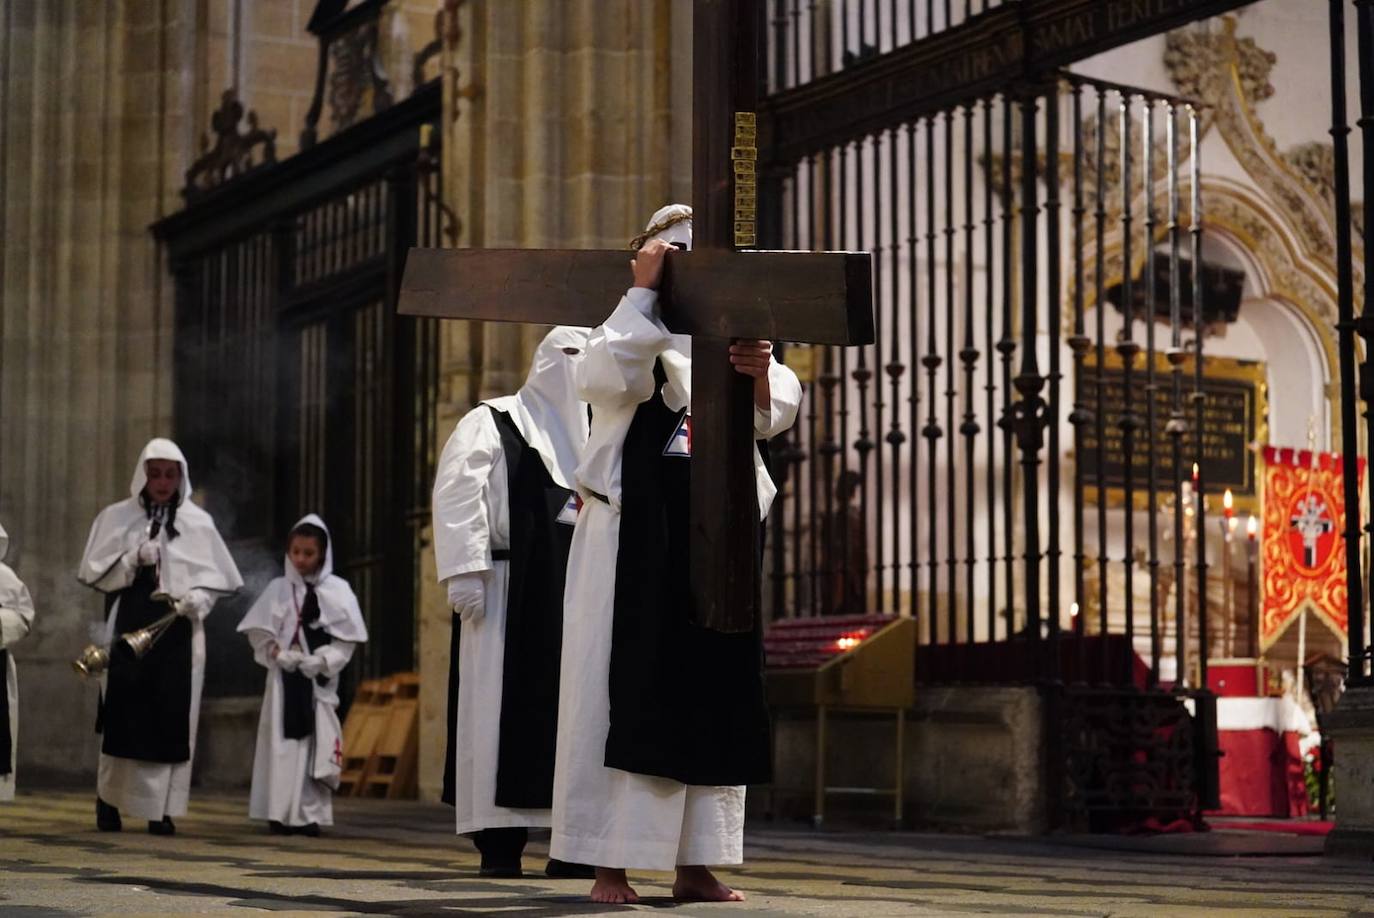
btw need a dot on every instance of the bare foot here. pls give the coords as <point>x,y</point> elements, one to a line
<point>612,887</point>
<point>697,884</point>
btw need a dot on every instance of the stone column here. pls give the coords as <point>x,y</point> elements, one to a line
<point>1351,729</point>
<point>564,127</point>
<point>96,131</point>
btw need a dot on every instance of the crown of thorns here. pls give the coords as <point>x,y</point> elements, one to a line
<point>654,229</point>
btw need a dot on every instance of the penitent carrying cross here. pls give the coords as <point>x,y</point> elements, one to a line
<point>713,293</point>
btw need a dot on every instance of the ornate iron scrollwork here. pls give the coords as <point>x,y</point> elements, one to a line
<point>1129,755</point>
<point>357,72</point>
<point>233,152</point>
<point>350,69</point>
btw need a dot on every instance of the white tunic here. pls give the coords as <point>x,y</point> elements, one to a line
<point>293,779</point>
<point>471,519</point>
<point>140,789</point>
<point>605,816</point>
<point>16,618</point>
<point>284,788</point>
<point>196,566</point>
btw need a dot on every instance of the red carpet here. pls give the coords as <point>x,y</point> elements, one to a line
<point>1283,826</point>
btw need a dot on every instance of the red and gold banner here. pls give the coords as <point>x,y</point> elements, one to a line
<point>1301,546</point>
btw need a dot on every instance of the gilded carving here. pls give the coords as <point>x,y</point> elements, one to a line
<point>1231,76</point>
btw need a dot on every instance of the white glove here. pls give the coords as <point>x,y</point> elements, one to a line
<point>193,605</point>
<point>311,666</point>
<point>288,660</point>
<point>148,553</point>
<point>467,596</point>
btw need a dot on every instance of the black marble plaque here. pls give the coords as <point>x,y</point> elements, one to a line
<point>1230,424</point>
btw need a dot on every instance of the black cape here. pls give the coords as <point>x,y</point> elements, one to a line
<point>146,710</point>
<point>687,703</point>
<point>538,559</point>
<point>298,690</point>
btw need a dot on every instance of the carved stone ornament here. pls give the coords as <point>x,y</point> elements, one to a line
<point>356,76</point>
<point>233,152</point>
<point>1231,76</point>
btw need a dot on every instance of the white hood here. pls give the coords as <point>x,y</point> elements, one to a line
<point>546,409</point>
<point>275,610</point>
<point>160,448</point>
<point>196,558</point>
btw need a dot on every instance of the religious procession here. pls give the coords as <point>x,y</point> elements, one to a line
<point>1013,555</point>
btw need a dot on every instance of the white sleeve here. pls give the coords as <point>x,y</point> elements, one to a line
<point>199,602</point>
<point>120,575</point>
<point>619,367</point>
<point>262,641</point>
<point>786,393</point>
<point>462,530</point>
<point>16,608</point>
<point>335,655</point>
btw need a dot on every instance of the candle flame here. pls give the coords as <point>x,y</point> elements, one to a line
<point>1196,473</point>
<point>1073,610</point>
<point>1252,527</point>
<point>849,640</point>
<point>1227,501</point>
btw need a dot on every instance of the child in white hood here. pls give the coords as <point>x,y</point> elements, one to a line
<point>303,628</point>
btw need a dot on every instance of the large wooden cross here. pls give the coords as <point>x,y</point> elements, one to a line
<point>713,293</point>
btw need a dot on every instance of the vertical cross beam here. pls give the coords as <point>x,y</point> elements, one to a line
<point>725,562</point>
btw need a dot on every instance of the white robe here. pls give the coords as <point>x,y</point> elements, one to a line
<point>284,787</point>
<point>472,517</point>
<point>605,816</point>
<point>290,776</point>
<point>16,618</point>
<point>196,562</point>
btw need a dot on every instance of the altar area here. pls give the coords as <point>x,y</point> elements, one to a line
<point>1275,632</point>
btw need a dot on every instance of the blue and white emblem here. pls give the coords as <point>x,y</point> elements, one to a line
<point>680,443</point>
<point>568,515</point>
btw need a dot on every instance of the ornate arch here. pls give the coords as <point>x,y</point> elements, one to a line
<point>1284,275</point>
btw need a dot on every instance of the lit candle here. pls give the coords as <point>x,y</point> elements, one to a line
<point>1252,584</point>
<point>1227,502</point>
<point>1196,475</point>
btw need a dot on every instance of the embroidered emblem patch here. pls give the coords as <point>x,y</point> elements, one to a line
<point>568,515</point>
<point>680,443</point>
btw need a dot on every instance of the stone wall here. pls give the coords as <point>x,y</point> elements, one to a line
<point>97,130</point>
<point>972,761</point>
<point>567,141</point>
<point>103,107</point>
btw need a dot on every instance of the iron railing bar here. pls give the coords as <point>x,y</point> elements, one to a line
<point>969,357</point>
<point>1127,349</point>
<point>1100,408</point>
<point>1199,393</point>
<point>931,362</point>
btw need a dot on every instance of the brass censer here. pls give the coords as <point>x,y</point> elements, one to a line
<point>95,659</point>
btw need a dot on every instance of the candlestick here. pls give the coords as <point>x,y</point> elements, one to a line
<point>1228,588</point>
<point>1252,582</point>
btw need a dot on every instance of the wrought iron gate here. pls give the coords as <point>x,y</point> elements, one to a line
<point>297,387</point>
<point>1016,231</point>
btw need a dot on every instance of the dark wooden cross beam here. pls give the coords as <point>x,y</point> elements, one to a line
<point>713,293</point>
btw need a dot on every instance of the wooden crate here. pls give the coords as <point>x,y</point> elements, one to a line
<point>362,731</point>
<point>392,767</point>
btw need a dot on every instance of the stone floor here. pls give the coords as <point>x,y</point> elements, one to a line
<point>399,859</point>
